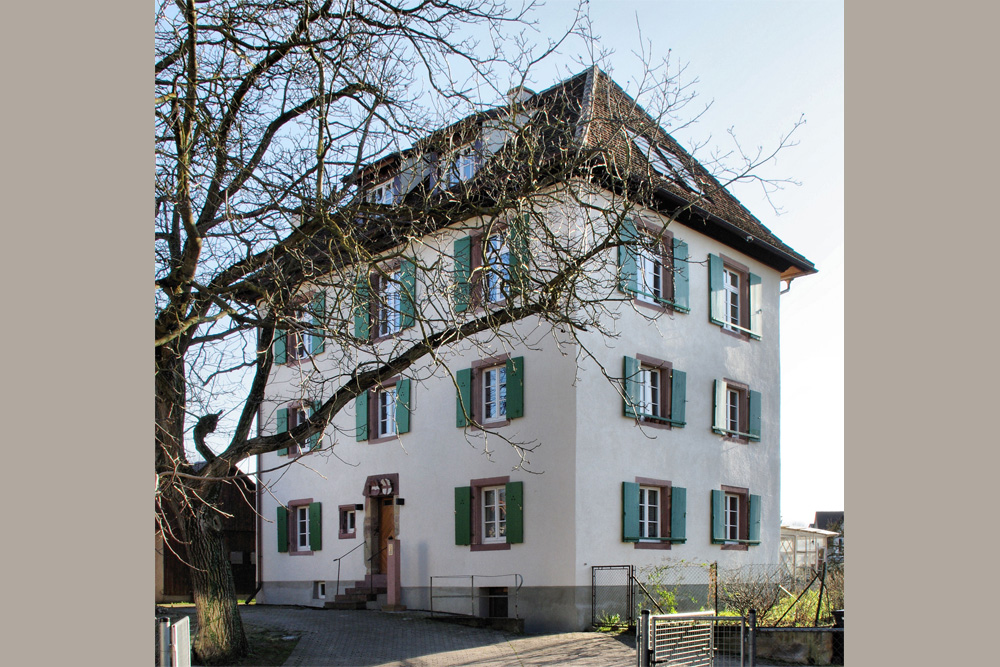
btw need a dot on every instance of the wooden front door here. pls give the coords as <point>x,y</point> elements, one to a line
<point>386,528</point>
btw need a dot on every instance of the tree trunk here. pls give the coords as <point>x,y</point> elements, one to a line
<point>220,638</point>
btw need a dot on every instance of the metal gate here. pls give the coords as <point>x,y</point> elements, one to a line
<point>612,596</point>
<point>699,639</point>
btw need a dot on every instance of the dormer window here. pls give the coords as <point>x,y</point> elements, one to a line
<point>664,162</point>
<point>462,166</point>
<point>381,194</point>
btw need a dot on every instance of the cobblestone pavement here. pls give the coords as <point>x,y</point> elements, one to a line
<point>338,638</point>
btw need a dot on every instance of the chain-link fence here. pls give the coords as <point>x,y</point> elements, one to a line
<point>673,587</point>
<point>613,596</point>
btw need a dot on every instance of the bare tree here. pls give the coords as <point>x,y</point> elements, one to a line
<point>275,124</point>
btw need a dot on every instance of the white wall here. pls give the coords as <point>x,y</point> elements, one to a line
<point>585,448</point>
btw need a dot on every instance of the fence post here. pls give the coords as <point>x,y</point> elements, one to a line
<point>644,639</point>
<point>752,622</point>
<point>819,600</point>
<point>163,624</point>
<point>713,585</point>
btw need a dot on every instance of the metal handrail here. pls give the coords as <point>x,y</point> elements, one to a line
<point>518,583</point>
<point>337,560</point>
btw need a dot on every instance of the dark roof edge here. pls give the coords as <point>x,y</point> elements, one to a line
<point>804,266</point>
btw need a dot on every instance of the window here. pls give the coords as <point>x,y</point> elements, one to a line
<point>735,518</point>
<point>387,315</point>
<point>732,518</point>
<point>319,590</point>
<point>494,393</point>
<point>489,514</point>
<point>348,521</point>
<point>383,413</point>
<point>382,193</point>
<point>292,416</point>
<point>654,513</point>
<point>393,307</point>
<point>736,297</point>
<point>299,526</point>
<point>295,342</point>
<point>655,392</point>
<point>491,393</point>
<point>302,528</point>
<point>653,266</point>
<point>737,411</point>
<point>664,162</point>
<point>649,512</point>
<point>462,165</point>
<point>491,267</point>
<point>385,418</point>
<point>494,514</point>
<point>496,268</point>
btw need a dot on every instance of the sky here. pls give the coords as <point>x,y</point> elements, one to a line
<point>762,65</point>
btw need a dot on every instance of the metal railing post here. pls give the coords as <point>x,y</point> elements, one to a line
<point>752,622</point>
<point>164,628</point>
<point>644,639</point>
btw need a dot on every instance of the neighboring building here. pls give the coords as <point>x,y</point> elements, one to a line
<point>685,466</point>
<point>833,521</point>
<point>803,550</point>
<point>238,500</point>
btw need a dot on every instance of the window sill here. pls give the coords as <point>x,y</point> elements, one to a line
<point>652,545</point>
<point>654,422</point>
<point>660,306</point>
<point>488,426</point>
<point>348,536</point>
<point>492,546</point>
<point>300,553</point>
<point>735,547</point>
<point>384,438</point>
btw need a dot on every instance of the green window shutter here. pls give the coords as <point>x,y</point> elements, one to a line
<point>315,526</point>
<point>756,305</point>
<point>754,415</point>
<point>628,261</point>
<point>519,257</point>
<point>403,406</point>
<point>717,292</point>
<point>463,407</point>
<point>408,295</point>
<point>280,355</point>
<point>515,388</point>
<point>314,439</point>
<point>682,288</point>
<point>463,515</point>
<point>718,518</point>
<point>515,512</point>
<point>678,396</point>
<point>630,512</point>
<point>283,428</point>
<point>319,321</point>
<point>678,513</point>
<point>754,523</point>
<point>630,378</point>
<point>361,416</point>
<point>362,309</point>
<point>462,275</point>
<point>282,527</point>
<point>719,404</point>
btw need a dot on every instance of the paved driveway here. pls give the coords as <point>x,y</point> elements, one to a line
<point>411,639</point>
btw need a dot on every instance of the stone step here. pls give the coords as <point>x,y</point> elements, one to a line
<point>365,590</point>
<point>355,597</point>
<point>337,604</point>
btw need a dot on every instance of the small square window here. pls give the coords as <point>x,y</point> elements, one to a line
<point>319,590</point>
<point>348,521</point>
